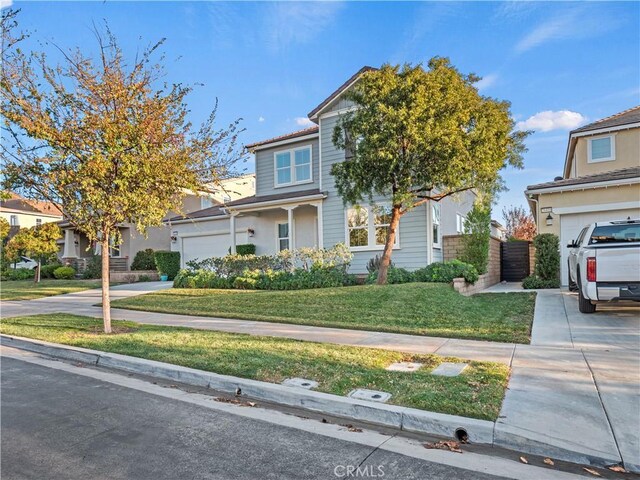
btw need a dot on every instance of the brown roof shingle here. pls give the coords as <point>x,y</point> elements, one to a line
<point>19,203</point>
<point>287,136</point>
<point>621,174</point>
<point>631,115</point>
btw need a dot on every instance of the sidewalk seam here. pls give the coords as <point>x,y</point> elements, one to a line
<point>604,409</point>
<point>566,317</point>
<point>376,449</point>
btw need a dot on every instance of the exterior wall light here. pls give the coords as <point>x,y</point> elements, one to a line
<point>549,220</point>
<point>251,232</point>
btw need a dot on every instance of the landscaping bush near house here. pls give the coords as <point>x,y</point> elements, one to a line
<point>64,273</point>
<point>546,272</point>
<point>94,267</point>
<point>445,272</point>
<point>167,263</point>
<point>373,265</point>
<point>46,271</point>
<point>475,243</point>
<point>395,275</point>
<point>144,278</point>
<point>144,260</point>
<point>246,249</point>
<point>18,274</point>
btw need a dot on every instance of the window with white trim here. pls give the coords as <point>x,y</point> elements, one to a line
<point>13,221</point>
<point>283,236</point>
<point>601,149</point>
<point>460,223</point>
<point>435,222</point>
<point>38,222</point>
<point>368,226</point>
<point>292,166</point>
<point>206,202</point>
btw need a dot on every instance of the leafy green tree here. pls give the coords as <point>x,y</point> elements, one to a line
<point>105,139</point>
<point>4,229</point>
<point>421,135</point>
<point>475,242</point>
<point>38,242</point>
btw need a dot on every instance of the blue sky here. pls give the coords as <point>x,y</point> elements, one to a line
<point>560,64</point>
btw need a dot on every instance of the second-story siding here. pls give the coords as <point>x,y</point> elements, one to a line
<point>412,251</point>
<point>265,169</point>
<point>627,153</point>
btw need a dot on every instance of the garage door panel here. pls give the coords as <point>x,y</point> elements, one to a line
<point>572,224</point>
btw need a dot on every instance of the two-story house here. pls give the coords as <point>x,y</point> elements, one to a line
<point>75,248</point>
<point>600,181</point>
<point>21,212</point>
<point>296,205</point>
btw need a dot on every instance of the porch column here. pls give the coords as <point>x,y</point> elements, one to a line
<point>232,232</point>
<point>290,227</point>
<point>69,244</point>
<point>320,224</point>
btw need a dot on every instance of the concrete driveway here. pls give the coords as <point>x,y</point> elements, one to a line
<point>577,386</point>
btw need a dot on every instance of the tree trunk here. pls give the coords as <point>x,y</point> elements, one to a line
<point>106,302</point>
<point>388,247</point>
<point>38,268</point>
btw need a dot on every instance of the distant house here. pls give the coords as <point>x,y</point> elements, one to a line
<point>75,248</point>
<point>600,181</point>
<point>21,212</point>
<point>296,205</point>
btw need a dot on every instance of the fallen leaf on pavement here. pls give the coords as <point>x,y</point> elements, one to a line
<point>592,472</point>
<point>524,460</point>
<point>445,445</point>
<point>351,428</point>
<point>617,468</point>
<point>235,401</point>
<point>548,461</point>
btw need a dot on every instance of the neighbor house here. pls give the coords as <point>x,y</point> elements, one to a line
<point>296,205</point>
<point>21,212</point>
<point>75,248</point>
<point>600,181</point>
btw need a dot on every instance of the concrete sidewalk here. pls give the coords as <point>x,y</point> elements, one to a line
<point>574,393</point>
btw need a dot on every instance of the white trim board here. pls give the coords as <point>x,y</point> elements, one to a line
<point>602,207</point>
<point>284,142</point>
<point>585,186</point>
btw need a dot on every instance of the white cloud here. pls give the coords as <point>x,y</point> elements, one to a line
<point>487,81</point>
<point>303,122</point>
<point>550,120</point>
<point>261,119</point>
<point>576,23</point>
<point>6,3</point>
<point>290,23</point>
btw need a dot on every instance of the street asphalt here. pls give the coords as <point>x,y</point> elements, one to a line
<point>57,425</point>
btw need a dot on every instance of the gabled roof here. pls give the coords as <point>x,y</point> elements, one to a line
<point>621,174</point>
<point>287,136</point>
<point>19,204</point>
<point>316,111</point>
<point>632,115</point>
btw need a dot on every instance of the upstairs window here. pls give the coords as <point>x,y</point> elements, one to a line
<point>38,222</point>
<point>601,149</point>
<point>293,166</point>
<point>460,223</point>
<point>368,226</point>
<point>205,202</point>
<point>13,221</point>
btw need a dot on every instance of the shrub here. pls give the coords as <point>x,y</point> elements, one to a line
<point>94,267</point>
<point>144,278</point>
<point>46,271</point>
<point>475,243</point>
<point>144,260</point>
<point>64,273</point>
<point>394,275</point>
<point>168,263</point>
<point>246,249</point>
<point>546,272</point>
<point>445,272</point>
<point>18,274</point>
<point>373,265</point>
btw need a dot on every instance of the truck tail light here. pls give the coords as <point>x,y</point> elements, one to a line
<point>591,269</point>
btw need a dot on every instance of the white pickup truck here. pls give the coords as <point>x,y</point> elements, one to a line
<point>604,263</point>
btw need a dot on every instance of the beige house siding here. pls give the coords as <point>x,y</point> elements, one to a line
<point>596,197</point>
<point>627,153</point>
<point>28,220</point>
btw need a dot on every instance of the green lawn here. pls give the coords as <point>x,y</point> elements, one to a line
<point>415,308</point>
<point>28,290</point>
<point>477,392</point>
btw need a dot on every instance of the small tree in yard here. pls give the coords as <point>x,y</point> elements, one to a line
<point>421,135</point>
<point>38,242</point>
<point>519,224</point>
<point>475,242</point>
<point>104,139</point>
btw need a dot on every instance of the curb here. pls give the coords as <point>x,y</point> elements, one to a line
<point>402,418</point>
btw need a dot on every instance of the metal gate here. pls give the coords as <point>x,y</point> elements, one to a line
<point>514,261</point>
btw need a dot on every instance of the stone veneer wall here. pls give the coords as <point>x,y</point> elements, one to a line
<point>466,289</point>
<point>132,276</point>
<point>452,245</point>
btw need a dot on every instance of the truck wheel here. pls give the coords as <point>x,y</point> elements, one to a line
<point>572,285</point>
<point>584,304</point>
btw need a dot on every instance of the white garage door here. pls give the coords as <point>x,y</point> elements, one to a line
<point>207,246</point>
<point>572,224</point>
